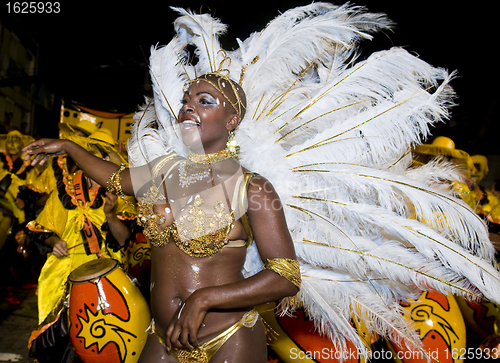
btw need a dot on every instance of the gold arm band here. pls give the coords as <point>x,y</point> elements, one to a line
<point>286,267</point>
<point>113,185</point>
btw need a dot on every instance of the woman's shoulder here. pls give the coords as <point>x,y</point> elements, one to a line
<point>253,177</point>
<point>258,185</point>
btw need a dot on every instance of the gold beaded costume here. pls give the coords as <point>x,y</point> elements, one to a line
<point>205,352</point>
<point>189,231</point>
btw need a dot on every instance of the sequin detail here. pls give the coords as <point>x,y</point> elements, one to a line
<point>196,233</point>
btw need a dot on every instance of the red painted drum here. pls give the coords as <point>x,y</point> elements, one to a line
<point>294,339</point>
<point>482,317</point>
<point>439,322</point>
<point>139,260</point>
<point>108,315</point>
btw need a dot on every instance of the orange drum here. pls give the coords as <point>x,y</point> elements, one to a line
<point>294,339</point>
<point>107,313</point>
<point>439,322</point>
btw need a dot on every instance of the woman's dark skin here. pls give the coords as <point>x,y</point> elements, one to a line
<point>192,298</point>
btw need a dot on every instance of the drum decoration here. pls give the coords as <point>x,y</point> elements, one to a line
<point>294,339</point>
<point>482,318</point>
<point>441,327</point>
<point>107,313</point>
<point>139,259</point>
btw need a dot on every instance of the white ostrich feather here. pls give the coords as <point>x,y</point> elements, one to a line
<point>386,227</point>
<point>333,135</point>
<point>203,32</point>
<point>403,196</point>
<point>300,37</point>
<point>325,293</point>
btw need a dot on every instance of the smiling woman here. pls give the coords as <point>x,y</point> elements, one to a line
<point>205,104</point>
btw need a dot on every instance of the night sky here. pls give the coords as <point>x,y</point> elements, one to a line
<point>96,53</point>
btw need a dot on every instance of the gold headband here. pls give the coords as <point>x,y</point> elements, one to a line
<point>238,106</point>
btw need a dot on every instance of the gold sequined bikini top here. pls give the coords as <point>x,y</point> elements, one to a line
<point>189,232</point>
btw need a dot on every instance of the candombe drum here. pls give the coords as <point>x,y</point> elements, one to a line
<point>482,317</point>
<point>139,259</point>
<point>108,315</point>
<point>294,339</point>
<point>439,322</point>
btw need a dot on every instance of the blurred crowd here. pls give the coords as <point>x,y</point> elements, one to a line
<point>54,218</point>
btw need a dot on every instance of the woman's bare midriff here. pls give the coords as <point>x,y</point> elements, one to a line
<point>182,274</point>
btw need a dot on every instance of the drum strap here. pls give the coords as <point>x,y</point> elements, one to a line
<point>89,233</point>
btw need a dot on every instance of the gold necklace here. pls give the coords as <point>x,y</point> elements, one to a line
<point>190,173</point>
<point>212,158</point>
<point>197,167</point>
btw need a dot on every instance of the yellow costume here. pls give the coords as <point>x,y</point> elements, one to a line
<point>46,182</point>
<point>7,203</point>
<point>65,217</point>
<point>75,214</point>
<point>490,209</point>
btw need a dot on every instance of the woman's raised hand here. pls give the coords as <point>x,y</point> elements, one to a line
<point>44,149</point>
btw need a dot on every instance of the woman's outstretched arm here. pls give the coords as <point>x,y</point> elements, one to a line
<point>96,168</point>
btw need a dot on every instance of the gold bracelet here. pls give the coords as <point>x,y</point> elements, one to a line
<point>286,267</point>
<point>113,185</point>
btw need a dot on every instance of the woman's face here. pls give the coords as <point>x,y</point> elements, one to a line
<point>205,118</point>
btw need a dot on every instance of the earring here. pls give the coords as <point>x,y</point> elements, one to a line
<point>232,147</point>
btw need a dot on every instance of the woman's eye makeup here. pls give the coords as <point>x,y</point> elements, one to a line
<point>205,99</point>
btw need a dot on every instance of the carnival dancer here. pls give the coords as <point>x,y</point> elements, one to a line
<point>18,259</point>
<point>223,298</point>
<point>331,136</point>
<point>77,204</point>
<point>463,182</point>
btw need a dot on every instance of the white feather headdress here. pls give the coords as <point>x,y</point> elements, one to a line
<point>332,134</point>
